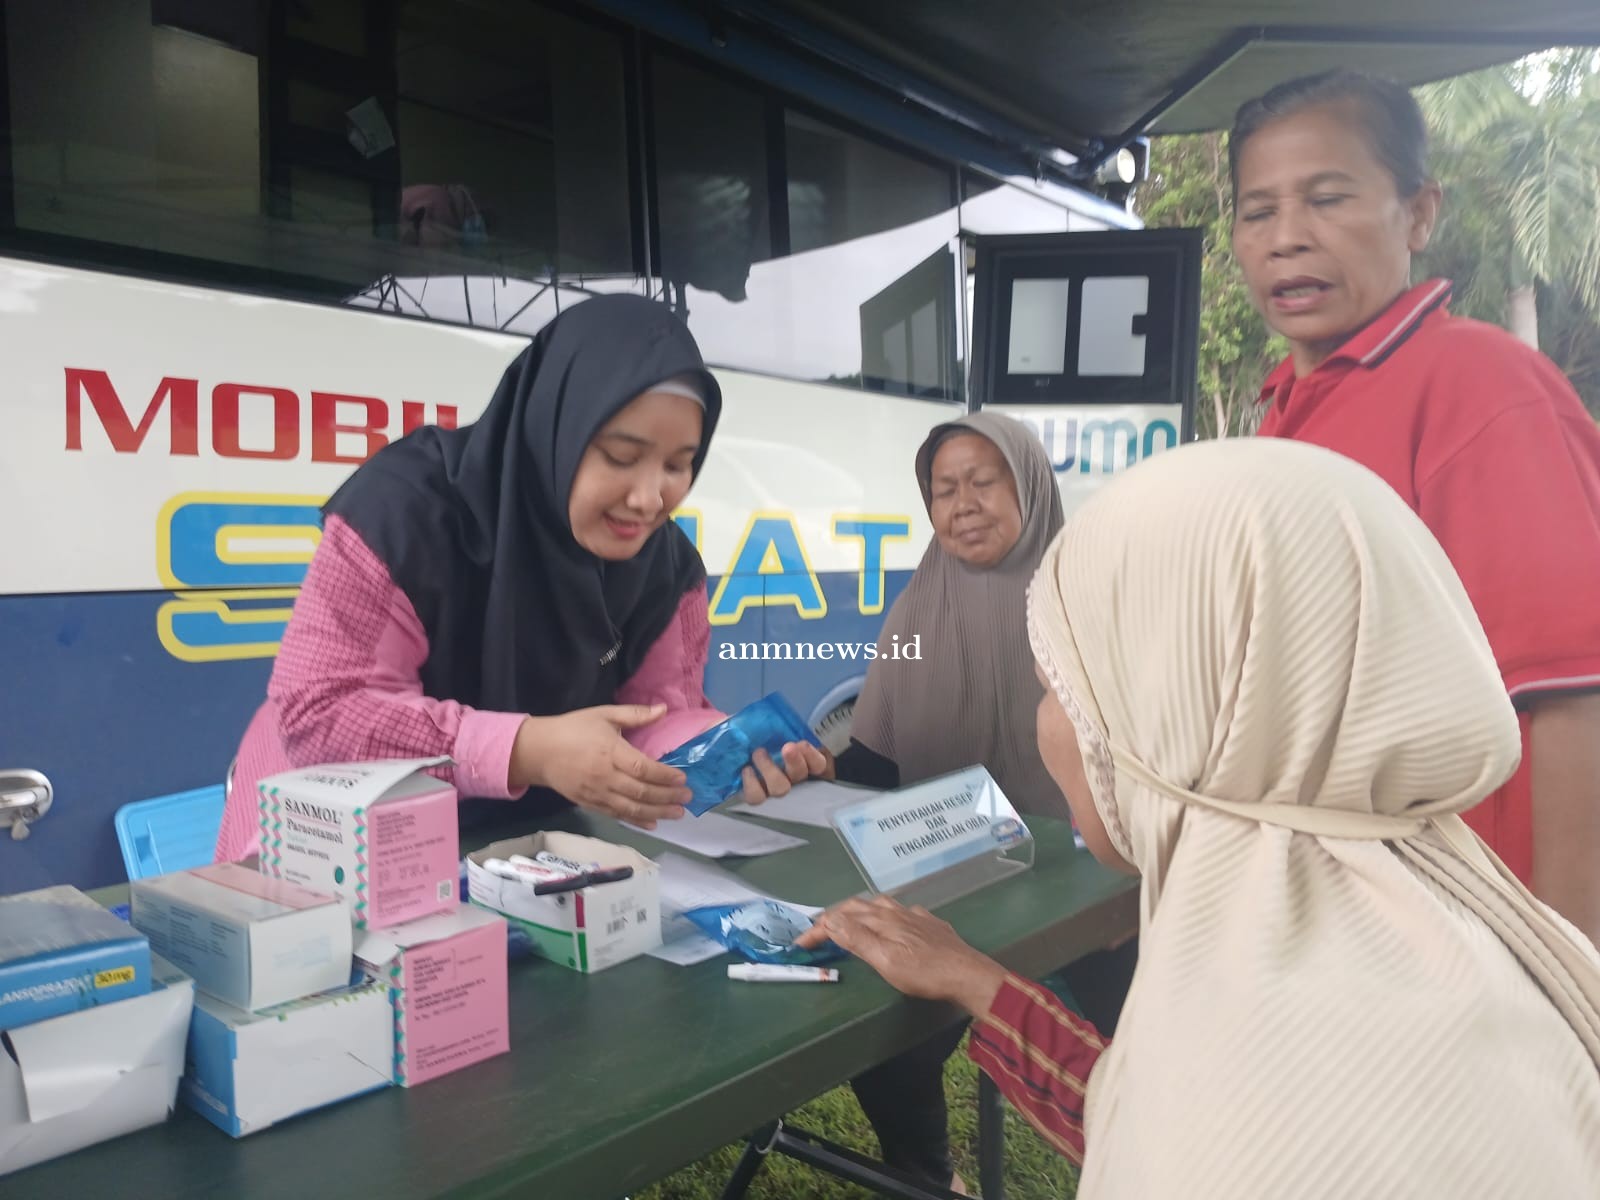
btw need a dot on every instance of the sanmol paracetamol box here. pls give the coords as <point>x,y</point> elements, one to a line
<point>379,835</point>
<point>61,952</point>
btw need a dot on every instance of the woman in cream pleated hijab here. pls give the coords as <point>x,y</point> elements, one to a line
<point>1279,700</point>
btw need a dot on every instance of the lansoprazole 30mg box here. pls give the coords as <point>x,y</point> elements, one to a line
<point>60,952</point>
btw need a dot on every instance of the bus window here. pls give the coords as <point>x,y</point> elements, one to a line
<point>126,131</point>
<point>333,24</point>
<point>989,206</point>
<point>826,280</point>
<point>843,187</point>
<point>440,138</point>
<point>524,110</point>
<point>712,170</point>
<point>907,333</point>
<point>847,189</point>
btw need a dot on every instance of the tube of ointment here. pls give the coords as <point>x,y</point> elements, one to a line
<point>526,871</point>
<point>545,859</point>
<point>781,973</point>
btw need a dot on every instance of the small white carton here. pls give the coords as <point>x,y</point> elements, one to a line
<point>589,929</point>
<point>250,941</point>
<point>248,1071</point>
<point>382,836</point>
<point>89,1076</point>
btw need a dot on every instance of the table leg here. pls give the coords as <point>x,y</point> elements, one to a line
<point>846,1164</point>
<point>991,1140</point>
<point>755,1153</point>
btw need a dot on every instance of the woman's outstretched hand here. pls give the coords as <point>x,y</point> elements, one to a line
<point>583,756</point>
<point>912,949</point>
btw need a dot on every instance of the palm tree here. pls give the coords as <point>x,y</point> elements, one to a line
<point>1521,147</point>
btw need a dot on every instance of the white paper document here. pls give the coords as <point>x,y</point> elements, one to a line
<point>687,950</point>
<point>717,836</point>
<point>810,803</point>
<point>686,884</point>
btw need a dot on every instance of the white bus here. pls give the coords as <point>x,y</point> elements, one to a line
<point>238,255</point>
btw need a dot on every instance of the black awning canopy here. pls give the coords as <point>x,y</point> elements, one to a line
<point>1088,75</point>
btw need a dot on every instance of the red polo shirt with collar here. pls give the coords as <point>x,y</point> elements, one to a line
<point>1486,440</point>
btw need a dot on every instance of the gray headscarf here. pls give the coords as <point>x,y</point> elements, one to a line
<point>972,697</point>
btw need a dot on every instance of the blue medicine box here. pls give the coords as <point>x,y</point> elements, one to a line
<point>60,952</point>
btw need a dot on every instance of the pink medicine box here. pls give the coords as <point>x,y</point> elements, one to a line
<point>379,835</point>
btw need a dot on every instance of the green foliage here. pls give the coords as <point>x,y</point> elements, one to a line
<point>1190,189</point>
<point>1523,143</point>
<point>1518,152</point>
<point>1571,337</point>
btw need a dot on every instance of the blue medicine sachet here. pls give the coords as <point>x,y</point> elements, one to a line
<point>762,931</point>
<point>712,762</point>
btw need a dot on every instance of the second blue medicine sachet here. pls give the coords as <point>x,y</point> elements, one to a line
<point>762,931</point>
<point>713,761</point>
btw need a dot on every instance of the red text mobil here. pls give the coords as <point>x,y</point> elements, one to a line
<point>324,427</point>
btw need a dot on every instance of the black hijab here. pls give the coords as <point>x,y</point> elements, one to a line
<point>472,523</point>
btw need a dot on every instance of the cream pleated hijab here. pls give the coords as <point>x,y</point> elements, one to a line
<point>1283,697</point>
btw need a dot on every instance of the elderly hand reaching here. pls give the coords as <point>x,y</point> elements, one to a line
<point>797,762</point>
<point>912,949</point>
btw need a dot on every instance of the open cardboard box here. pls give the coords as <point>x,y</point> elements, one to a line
<point>89,1076</point>
<point>589,929</point>
<point>379,835</point>
<point>248,1070</point>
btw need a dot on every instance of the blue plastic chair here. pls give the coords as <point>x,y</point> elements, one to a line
<point>169,833</point>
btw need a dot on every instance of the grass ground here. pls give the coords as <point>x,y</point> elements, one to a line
<point>1033,1170</point>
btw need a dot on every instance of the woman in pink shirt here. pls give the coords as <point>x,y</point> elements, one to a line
<point>515,595</point>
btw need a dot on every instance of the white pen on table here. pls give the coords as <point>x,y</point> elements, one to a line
<point>781,973</point>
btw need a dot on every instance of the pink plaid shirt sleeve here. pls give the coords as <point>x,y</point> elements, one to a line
<point>347,685</point>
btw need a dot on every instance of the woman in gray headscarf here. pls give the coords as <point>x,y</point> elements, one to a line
<point>992,499</point>
<point>970,698</point>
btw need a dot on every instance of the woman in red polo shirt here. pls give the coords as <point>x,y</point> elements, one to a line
<point>1480,434</point>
